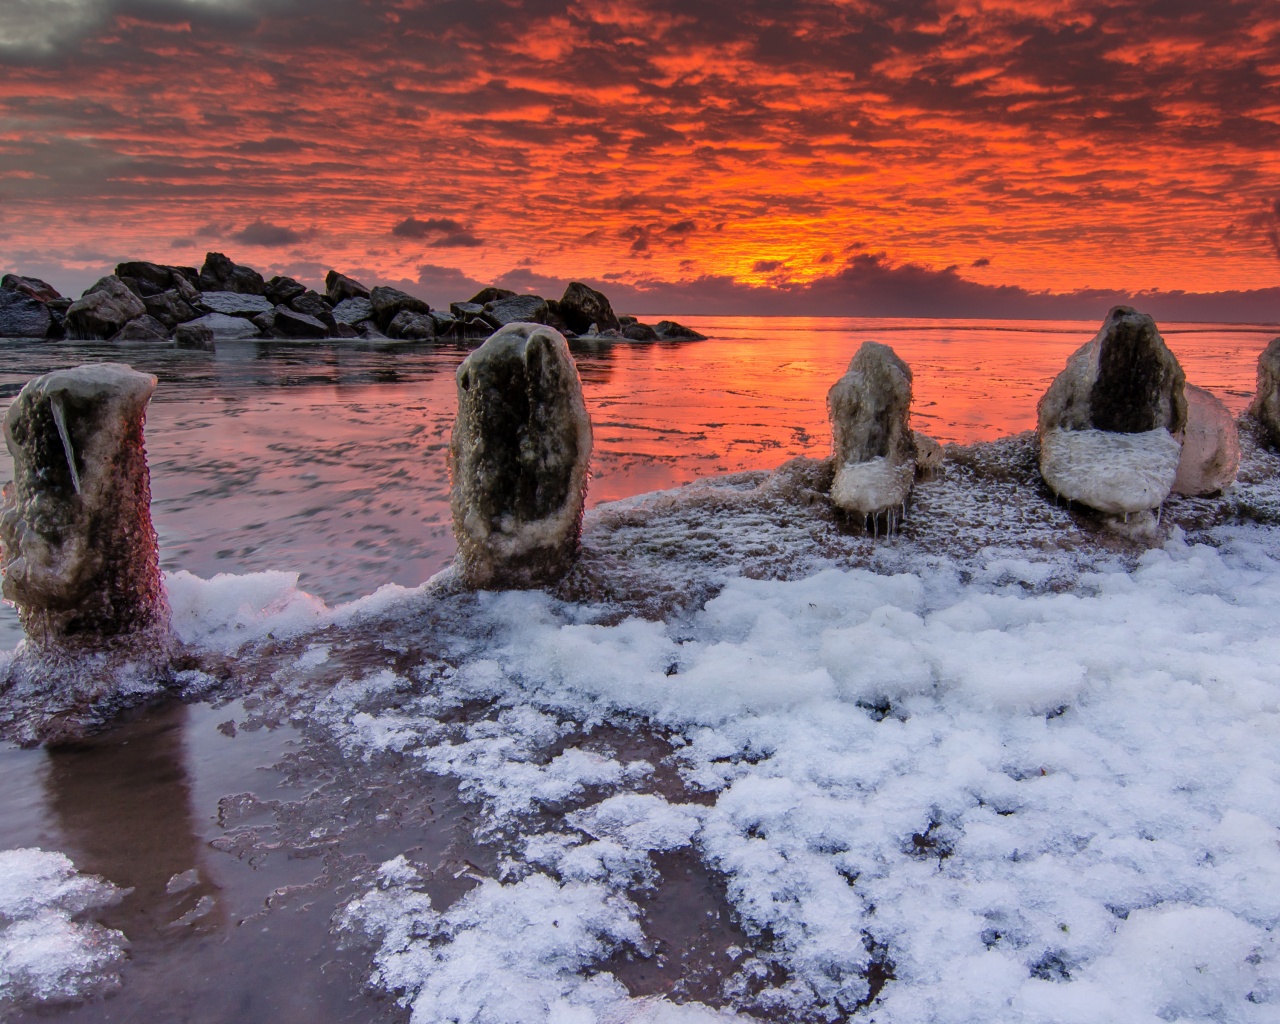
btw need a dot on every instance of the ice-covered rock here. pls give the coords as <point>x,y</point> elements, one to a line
<point>1110,471</point>
<point>874,449</point>
<point>929,453</point>
<point>103,309</point>
<point>79,554</point>
<point>1266,403</point>
<point>1124,392</point>
<point>519,309</point>
<point>1210,445</point>
<point>519,455</point>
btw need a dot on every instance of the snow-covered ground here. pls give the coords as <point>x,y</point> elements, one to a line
<point>1005,768</point>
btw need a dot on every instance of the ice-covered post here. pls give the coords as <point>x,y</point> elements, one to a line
<point>874,448</point>
<point>78,552</point>
<point>519,455</point>
<point>1112,421</point>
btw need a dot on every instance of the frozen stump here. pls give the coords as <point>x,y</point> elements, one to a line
<point>1112,421</point>
<point>80,556</point>
<point>519,455</point>
<point>873,446</point>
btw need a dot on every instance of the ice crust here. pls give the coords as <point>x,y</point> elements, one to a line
<point>45,954</point>
<point>1112,472</point>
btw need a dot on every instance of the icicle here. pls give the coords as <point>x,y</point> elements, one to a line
<point>1159,513</point>
<point>60,420</point>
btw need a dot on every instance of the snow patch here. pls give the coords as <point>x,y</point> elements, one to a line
<point>46,955</point>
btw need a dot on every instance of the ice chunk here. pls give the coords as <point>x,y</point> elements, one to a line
<point>1111,472</point>
<point>46,955</point>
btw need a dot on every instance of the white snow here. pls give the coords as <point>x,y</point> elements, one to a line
<point>45,954</point>
<point>1044,807</point>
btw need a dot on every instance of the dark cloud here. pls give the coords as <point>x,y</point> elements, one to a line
<point>680,228</point>
<point>264,233</point>
<point>767,266</point>
<point>444,232</point>
<point>870,285</point>
<point>981,261</point>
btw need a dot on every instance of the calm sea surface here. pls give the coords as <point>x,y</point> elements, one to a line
<point>331,459</point>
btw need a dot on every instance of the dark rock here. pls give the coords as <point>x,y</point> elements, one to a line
<point>292,324</point>
<point>283,290</point>
<point>143,328</point>
<point>103,310</point>
<point>1124,381</point>
<point>369,330</point>
<point>22,316</point>
<point>627,321</point>
<point>635,331</point>
<point>1266,403</point>
<point>446,324</point>
<point>147,279</point>
<point>339,287</point>
<point>313,304</point>
<point>518,459</point>
<point>32,287</point>
<point>491,294</point>
<point>872,443</point>
<point>193,335</point>
<point>466,310</point>
<point>235,303</point>
<point>169,308</point>
<point>265,322</point>
<point>519,309</point>
<point>220,274</point>
<point>410,326</point>
<point>222,326</point>
<point>387,302</point>
<point>581,306</point>
<point>669,330</point>
<point>347,331</point>
<point>352,311</point>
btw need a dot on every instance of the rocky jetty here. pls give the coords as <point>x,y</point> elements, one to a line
<point>873,446</point>
<point>1111,423</point>
<point>223,300</point>
<point>519,455</point>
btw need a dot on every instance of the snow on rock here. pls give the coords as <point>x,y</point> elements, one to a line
<point>45,954</point>
<point>1110,472</point>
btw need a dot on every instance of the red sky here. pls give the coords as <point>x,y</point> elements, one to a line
<point>841,150</point>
